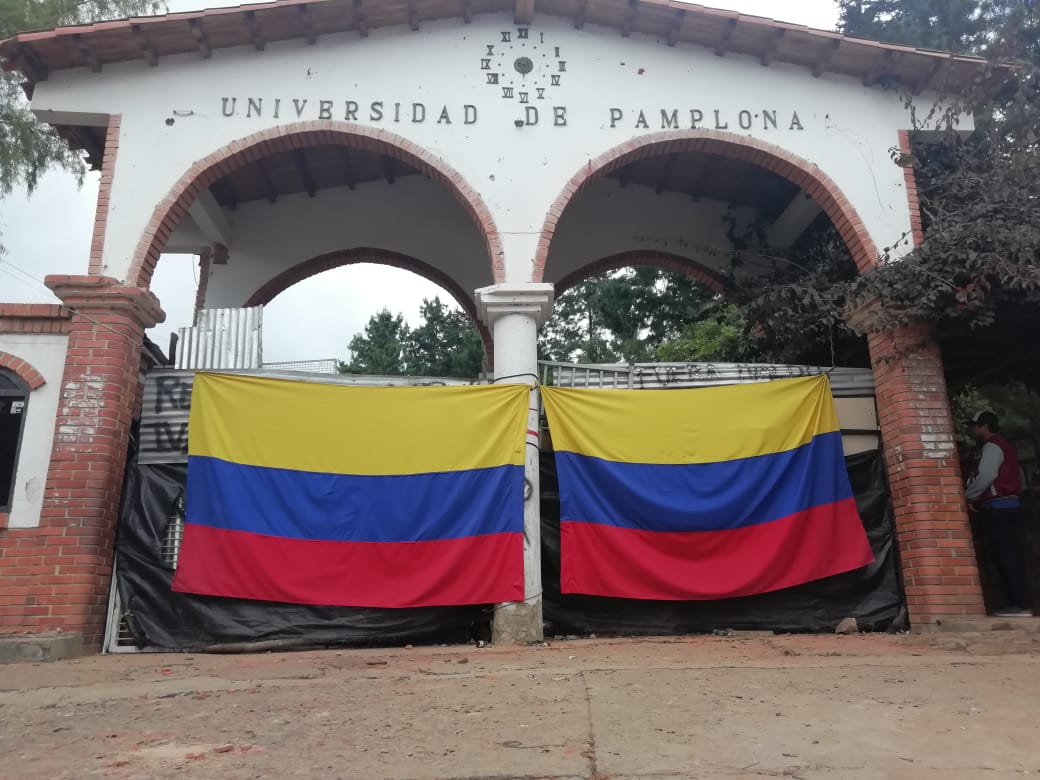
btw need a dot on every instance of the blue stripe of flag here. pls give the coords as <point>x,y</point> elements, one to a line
<point>349,508</point>
<point>703,496</point>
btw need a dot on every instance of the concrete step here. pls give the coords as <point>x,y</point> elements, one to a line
<point>974,625</point>
<point>20,648</point>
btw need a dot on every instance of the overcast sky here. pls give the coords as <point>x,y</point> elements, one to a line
<point>49,233</point>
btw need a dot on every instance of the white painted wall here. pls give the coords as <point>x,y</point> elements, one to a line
<point>416,217</point>
<point>46,353</point>
<point>606,218</point>
<point>413,216</point>
<point>187,239</point>
<point>847,128</point>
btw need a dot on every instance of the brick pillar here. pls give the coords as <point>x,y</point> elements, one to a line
<point>85,478</point>
<point>940,570</point>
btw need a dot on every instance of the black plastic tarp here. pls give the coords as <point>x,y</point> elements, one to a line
<point>159,617</point>
<point>872,595</point>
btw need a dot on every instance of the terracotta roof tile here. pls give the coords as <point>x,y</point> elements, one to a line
<point>38,53</point>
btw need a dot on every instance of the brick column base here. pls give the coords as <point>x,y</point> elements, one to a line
<point>57,576</point>
<point>940,570</point>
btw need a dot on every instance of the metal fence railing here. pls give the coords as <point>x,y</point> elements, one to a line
<point>845,382</point>
<point>324,366</point>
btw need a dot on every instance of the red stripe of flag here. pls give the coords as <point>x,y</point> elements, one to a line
<point>605,560</point>
<point>472,570</point>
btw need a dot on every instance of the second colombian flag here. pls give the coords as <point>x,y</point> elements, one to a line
<point>702,494</point>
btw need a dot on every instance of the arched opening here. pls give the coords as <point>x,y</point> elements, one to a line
<point>621,307</point>
<point>326,301</point>
<point>377,146</point>
<point>723,209</point>
<point>689,161</point>
<point>664,260</point>
<point>14,400</point>
<point>359,255</point>
<point>273,208</point>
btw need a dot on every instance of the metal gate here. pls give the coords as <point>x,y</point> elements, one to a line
<point>167,400</point>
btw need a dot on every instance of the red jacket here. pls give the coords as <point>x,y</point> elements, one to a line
<point>1009,475</point>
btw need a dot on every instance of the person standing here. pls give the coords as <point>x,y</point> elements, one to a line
<point>995,490</point>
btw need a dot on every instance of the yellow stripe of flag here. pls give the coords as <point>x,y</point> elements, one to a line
<point>702,425</point>
<point>332,429</point>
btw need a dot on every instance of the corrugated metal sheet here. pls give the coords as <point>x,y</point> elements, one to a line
<point>222,339</point>
<point>164,417</point>
<point>845,382</point>
<point>167,400</point>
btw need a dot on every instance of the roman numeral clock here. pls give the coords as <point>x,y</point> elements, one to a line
<point>522,67</point>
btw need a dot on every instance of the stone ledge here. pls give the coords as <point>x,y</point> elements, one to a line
<point>974,625</point>
<point>103,294</point>
<point>26,648</point>
<point>534,299</point>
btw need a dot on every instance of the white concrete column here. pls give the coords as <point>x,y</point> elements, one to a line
<point>513,312</point>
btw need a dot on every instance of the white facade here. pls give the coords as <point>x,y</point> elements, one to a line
<point>516,144</point>
<point>543,147</point>
<point>431,88</point>
<point>46,353</point>
<point>413,217</point>
<point>608,219</point>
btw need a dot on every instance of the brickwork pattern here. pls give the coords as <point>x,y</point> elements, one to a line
<point>23,369</point>
<point>108,170</point>
<point>940,570</point>
<point>913,202</point>
<point>34,318</point>
<point>58,575</point>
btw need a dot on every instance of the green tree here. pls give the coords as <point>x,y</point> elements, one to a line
<point>796,309</point>
<point>721,334</point>
<point>976,277</point>
<point>989,28</point>
<point>623,315</point>
<point>946,25</point>
<point>379,350</point>
<point>574,333</point>
<point>28,147</point>
<point>445,344</point>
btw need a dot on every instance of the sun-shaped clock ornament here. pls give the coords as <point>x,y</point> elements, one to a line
<point>523,66</point>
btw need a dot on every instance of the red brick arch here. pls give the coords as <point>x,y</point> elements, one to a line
<point>801,172</point>
<point>327,262</point>
<point>298,135</point>
<point>22,369</point>
<point>665,260</point>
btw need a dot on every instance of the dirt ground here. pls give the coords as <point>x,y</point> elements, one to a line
<point>949,706</point>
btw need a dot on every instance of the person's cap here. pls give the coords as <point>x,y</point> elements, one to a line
<point>984,418</point>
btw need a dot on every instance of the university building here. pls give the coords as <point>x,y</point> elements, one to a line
<point>505,150</point>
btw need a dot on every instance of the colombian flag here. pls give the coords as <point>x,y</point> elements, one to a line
<point>702,494</point>
<point>355,496</point>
